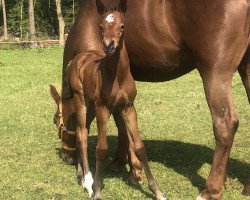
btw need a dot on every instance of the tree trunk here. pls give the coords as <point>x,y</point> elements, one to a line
<point>32,21</point>
<point>73,10</point>
<point>21,19</point>
<point>60,21</point>
<point>5,31</point>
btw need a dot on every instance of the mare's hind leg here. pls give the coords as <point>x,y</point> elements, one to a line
<point>135,141</point>
<point>218,90</point>
<point>244,71</point>
<point>124,151</point>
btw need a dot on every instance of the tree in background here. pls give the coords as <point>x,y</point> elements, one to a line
<point>46,18</point>
<point>21,18</point>
<point>61,22</point>
<point>70,8</point>
<point>32,21</point>
<point>5,31</point>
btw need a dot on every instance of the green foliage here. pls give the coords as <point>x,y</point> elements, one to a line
<point>46,21</point>
<point>173,118</point>
<point>70,8</point>
<point>46,18</point>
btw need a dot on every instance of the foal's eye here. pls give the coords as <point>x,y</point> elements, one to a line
<point>122,27</point>
<point>101,27</point>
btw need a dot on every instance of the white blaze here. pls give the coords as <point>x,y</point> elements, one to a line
<point>110,18</point>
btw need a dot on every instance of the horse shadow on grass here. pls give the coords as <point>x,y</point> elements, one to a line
<point>185,159</point>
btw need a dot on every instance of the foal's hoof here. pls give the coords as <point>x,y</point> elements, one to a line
<point>200,197</point>
<point>135,177</point>
<point>160,196</point>
<point>69,160</point>
<point>117,166</point>
<point>97,196</point>
<point>87,183</point>
<point>206,195</point>
<point>246,190</point>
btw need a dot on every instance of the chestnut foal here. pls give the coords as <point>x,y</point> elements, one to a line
<point>102,85</point>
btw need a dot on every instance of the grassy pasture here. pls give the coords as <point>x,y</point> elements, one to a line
<point>174,121</point>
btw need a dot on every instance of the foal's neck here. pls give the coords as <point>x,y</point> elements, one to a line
<point>117,64</point>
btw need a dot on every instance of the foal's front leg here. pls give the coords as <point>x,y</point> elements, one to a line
<point>82,142</point>
<point>130,118</point>
<point>125,152</point>
<point>102,115</point>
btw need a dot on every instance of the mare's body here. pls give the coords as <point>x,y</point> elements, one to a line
<point>168,38</point>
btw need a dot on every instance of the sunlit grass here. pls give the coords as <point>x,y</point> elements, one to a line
<point>174,121</point>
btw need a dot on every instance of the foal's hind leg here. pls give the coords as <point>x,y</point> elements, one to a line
<point>89,118</point>
<point>82,141</point>
<point>124,151</point>
<point>218,89</point>
<point>102,115</point>
<point>135,141</point>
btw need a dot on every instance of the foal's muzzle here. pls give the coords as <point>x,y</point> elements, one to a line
<point>68,139</point>
<point>108,47</point>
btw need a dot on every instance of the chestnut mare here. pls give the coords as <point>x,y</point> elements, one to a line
<point>101,85</point>
<point>166,39</point>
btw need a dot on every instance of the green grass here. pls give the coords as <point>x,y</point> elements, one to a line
<point>174,121</point>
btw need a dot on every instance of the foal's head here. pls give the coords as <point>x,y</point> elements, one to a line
<point>65,121</point>
<point>112,26</point>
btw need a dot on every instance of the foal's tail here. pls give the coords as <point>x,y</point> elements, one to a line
<point>244,71</point>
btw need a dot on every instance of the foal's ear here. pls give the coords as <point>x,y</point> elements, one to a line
<point>100,7</point>
<point>122,6</point>
<point>54,94</point>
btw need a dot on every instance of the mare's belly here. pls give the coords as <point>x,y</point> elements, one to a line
<point>158,75</point>
<point>160,64</point>
<point>154,46</point>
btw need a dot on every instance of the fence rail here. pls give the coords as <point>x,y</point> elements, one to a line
<point>29,44</point>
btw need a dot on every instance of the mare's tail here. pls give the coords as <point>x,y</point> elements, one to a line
<point>244,71</point>
<point>244,67</point>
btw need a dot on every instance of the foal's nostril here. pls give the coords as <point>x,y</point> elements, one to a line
<point>112,45</point>
<point>104,44</point>
<point>109,45</point>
